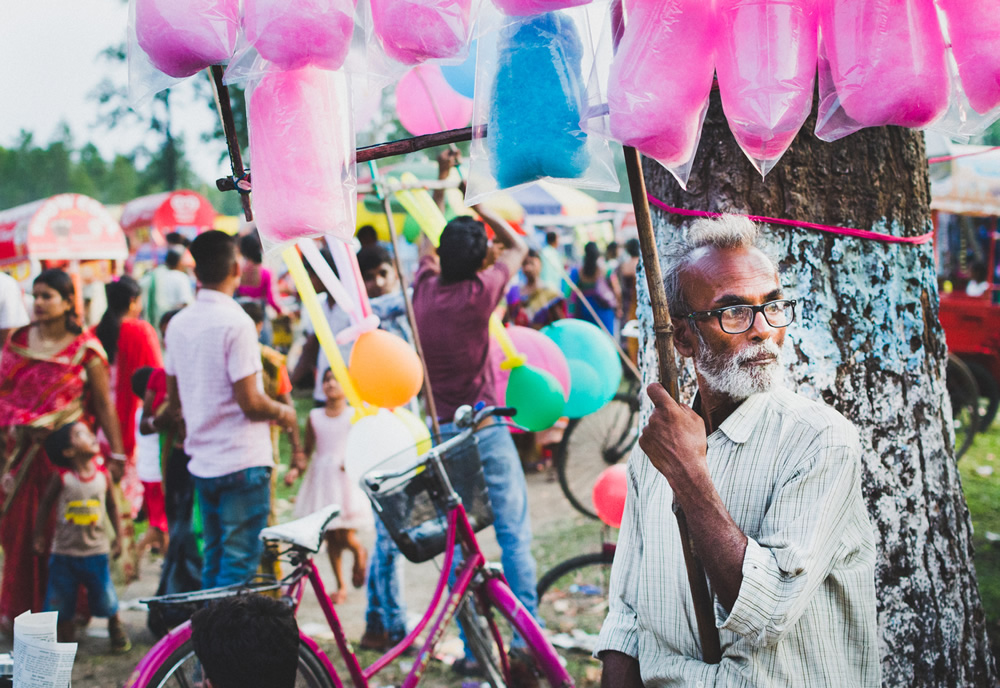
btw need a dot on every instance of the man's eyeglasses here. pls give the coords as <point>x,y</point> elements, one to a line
<point>739,319</point>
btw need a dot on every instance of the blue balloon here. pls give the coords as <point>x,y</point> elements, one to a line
<point>462,77</point>
<point>595,371</point>
<point>537,102</point>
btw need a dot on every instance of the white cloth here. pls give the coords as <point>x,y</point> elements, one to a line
<point>211,345</point>
<point>974,288</point>
<point>338,319</point>
<point>147,453</point>
<point>173,290</point>
<point>12,311</point>
<point>326,482</point>
<point>789,472</point>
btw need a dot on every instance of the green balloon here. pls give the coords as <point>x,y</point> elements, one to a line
<point>411,229</point>
<point>537,396</point>
<point>586,391</point>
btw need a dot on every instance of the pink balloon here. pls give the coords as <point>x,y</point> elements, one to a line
<point>661,77</point>
<point>540,352</point>
<point>426,103</point>
<point>523,8</point>
<point>414,31</point>
<point>609,494</point>
<point>974,26</point>
<point>302,155</point>
<point>766,64</point>
<point>297,34</point>
<point>182,37</point>
<point>887,60</point>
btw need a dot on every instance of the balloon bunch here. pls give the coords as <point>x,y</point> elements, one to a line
<point>535,393</point>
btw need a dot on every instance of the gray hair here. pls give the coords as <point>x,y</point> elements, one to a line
<point>725,232</point>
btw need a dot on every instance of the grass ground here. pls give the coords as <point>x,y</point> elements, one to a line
<point>980,469</point>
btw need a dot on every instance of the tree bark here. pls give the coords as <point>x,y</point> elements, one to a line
<point>868,342</point>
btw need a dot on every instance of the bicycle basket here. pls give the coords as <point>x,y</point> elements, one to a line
<point>414,507</point>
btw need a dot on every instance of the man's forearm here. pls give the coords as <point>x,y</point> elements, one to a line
<point>719,542</point>
<point>620,670</point>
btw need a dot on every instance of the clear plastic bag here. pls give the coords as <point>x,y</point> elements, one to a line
<point>170,40</point>
<point>300,33</point>
<point>881,62</point>
<point>414,31</point>
<point>535,79</point>
<point>766,64</point>
<point>302,157</point>
<point>523,8</point>
<point>661,78</point>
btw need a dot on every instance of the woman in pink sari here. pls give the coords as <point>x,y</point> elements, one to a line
<point>51,373</point>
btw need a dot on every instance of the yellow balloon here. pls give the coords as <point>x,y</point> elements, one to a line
<point>512,359</point>
<point>422,208</point>
<point>417,427</point>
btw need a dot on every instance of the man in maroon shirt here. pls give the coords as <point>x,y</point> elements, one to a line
<point>454,295</point>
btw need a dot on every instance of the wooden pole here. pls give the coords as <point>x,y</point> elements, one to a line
<point>224,106</point>
<point>393,236</point>
<point>664,339</point>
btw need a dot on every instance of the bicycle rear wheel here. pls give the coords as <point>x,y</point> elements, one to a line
<point>183,670</point>
<point>593,443</point>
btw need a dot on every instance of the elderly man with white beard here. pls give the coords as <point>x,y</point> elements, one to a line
<point>770,482</point>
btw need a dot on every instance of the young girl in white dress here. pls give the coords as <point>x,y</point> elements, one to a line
<point>326,483</point>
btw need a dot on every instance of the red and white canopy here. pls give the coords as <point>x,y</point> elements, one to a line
<point>63,227</point>
<point>150,218</point>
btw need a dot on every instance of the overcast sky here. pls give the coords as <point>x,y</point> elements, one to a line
<point>49,64</point>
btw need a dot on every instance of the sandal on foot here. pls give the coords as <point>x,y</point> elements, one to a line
<point>120,643</point>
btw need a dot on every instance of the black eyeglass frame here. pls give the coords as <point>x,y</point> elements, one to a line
<point>717,313</point>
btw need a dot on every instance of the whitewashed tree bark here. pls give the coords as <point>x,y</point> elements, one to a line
<point>868,342</point>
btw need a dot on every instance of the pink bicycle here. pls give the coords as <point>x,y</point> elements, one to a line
<point>428,509</point>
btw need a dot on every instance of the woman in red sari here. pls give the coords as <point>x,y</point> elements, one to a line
<point>130,344</point>
<point>51,373</point>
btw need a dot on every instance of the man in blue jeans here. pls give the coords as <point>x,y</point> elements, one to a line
<point>214,381</point>
<point>454,295</point>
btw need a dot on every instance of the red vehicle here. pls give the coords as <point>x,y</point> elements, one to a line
<point>966,212</point>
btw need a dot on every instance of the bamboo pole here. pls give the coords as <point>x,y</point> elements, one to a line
<point>664,338</point>
<point>225,108</point>
<point>393,236</point>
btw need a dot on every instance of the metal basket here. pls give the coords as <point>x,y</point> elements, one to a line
<point>414,506</point>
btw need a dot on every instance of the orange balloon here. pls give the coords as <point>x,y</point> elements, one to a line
<point>385,369</point>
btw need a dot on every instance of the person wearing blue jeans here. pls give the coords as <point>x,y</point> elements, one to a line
<point>214,385</point>
<point>234,509</point>
<point>454,297</point>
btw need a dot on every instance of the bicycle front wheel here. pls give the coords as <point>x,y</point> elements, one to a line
<point>593,443</point>
<point>181,669</point>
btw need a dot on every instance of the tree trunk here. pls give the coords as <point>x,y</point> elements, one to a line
<point>868,342</point>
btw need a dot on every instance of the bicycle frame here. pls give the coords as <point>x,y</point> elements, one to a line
<point>472,572</point>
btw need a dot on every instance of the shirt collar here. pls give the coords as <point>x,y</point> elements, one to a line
<point>741,423</point>
<point>213,296</point>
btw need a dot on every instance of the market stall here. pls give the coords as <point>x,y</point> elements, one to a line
<point>71,231</point>
<point>147,221</point>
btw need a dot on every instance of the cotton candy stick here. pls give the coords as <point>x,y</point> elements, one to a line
<point>322,329</point>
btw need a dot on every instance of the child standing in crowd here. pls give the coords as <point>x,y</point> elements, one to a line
<point>148,453</point>
<point>326,483</point>
<point>81,491</point>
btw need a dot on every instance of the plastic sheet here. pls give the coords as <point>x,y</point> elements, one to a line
<point>182,37</point>
<point>661,78</point>
<point>302,155</point>
<point>522,8</point>
<point>532,91</point>
<point>974,28</point>
<point>303,33</point>
<point>881,62</point>
<point>766,64</point>
<point>414,31</point>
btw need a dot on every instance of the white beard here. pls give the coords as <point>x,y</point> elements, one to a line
<point>727,375</point>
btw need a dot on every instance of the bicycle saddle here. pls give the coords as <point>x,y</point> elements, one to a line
<point>305,532</point>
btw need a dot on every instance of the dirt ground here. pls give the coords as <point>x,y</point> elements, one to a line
<point>96,668</point>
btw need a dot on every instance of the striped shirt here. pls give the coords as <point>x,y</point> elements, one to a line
<point>788,470</point>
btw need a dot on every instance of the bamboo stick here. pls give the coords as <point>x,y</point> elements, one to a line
<point>664,339</point>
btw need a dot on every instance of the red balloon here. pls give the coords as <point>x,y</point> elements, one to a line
<point>426,104</point>
<point>609,494</point>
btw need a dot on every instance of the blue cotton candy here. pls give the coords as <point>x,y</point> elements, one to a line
<point>538,98</point>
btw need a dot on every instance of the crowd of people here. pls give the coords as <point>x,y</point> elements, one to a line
<point>176,401</point>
